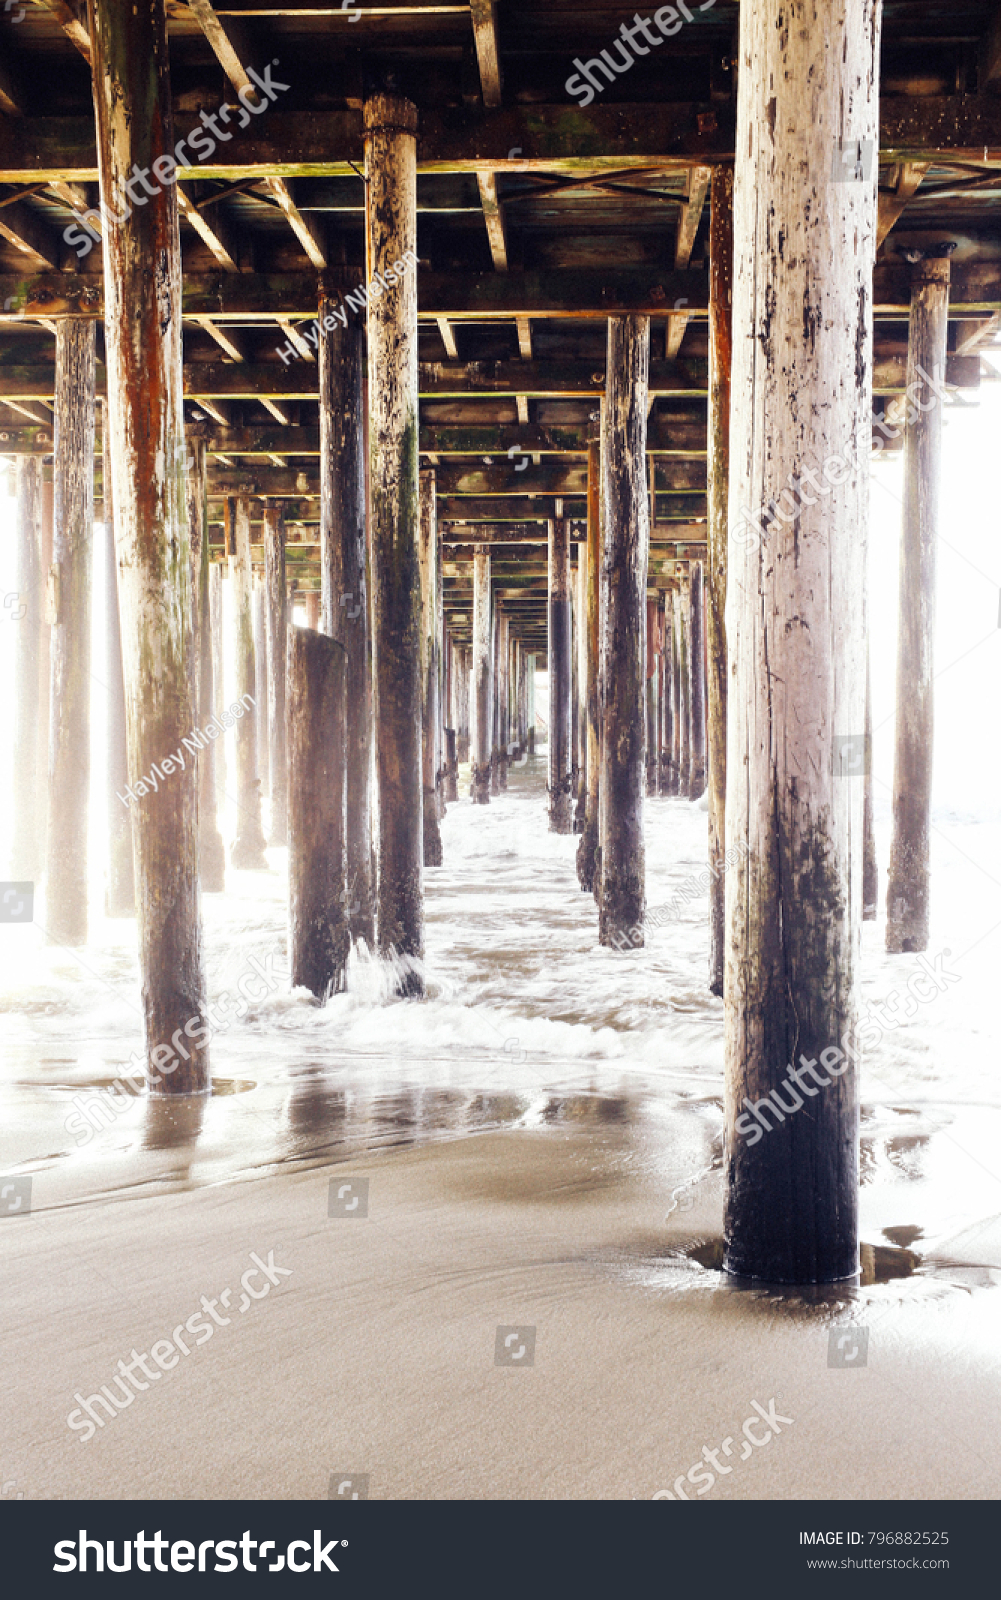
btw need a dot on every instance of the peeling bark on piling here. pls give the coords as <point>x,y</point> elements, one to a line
<point>802,368</point>
<point>481,695</point>
<point>391,171</point>
<point>697,675</point>
<point>248,846</point>
<point>429,553</point>
<point>69,730</point>
<point>277,620</point>
<point>120,888</point>
<point>319,940</point>
<point>717,494</point>
<point>559,642</point>
<point>211,851</point>
<point>587,849</point>
<point>907,891</point>
<point>622,896</point>
<point>142,320</point>
<point>29,754</point>
<point>346,587</point>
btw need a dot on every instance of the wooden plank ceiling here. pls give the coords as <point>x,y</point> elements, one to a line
<point>536,217</point>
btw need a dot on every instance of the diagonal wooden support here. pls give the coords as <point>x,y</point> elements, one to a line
<point>892,205</point>
<point>484,16</point>
<point>688,227</point>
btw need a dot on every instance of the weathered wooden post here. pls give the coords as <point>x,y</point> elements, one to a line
<point>277,620</point>
<point>313,609</point>
<point>907,890</point>
<point>44,672</point>
<point>665,695</point>
<point>717,494</point>
<point>120,888</point>
<point>261,680</point>
<point>452,767</point>
<point>319,940</point>
<point>142,321</point>
<point>651,702</point>
<point>429,666</point>
<point>248,846</point>
<point>69,730</point>
<point>804,245</point>
<point>531,704</point>
<point>211,851</point>
<point>622,892</point>
<point>582,641</point>
<point>481,696</point>
<point>344,567</point>
<point>697,676</point>
<point>587,849</point>
<point>683,614</point>
<point>503,694</point>
<point>560,804</point>
<point>494,701</point>
<point>391,172</point>
<point>29,753</point>
<point>216,618</point>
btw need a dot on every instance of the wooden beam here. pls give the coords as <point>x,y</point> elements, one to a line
<point>70,23</point>
<point>27,232</point>
<point>688,227</point>
<point>212,227</point>
<point>484,15</point>
<point>448,338</point>
<point>493,216</point>
<point>892,206</point>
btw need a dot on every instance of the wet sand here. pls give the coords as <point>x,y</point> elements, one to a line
<point>530,1165</point>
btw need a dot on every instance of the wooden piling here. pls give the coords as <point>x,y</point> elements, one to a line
<point>683,612</point>
<point>587,849</point>
<point>261,690</point>
<point>211,851</point>
<point>344,568</point>
<point>481,695</point>
<point>582,642</point>
<point>219,686</point>
<point>29,753</point>
<point>142,322</point>
<point>277,629</point>
<point>44,671</point>
<point>697,678</point>
<point>319,940</point>
<point>870,867</point>
<point>560,801</point>
<point>248,846</point>
<point>804,247</point>
<point>907,891</point>
<point>717,493</point>
<point>429,563</point>
<point>391,172</point>
<point>69,731</point>
<point>651,700</point>
<point>623,639</point>
<point>313,604</point>
<point>120,889</point>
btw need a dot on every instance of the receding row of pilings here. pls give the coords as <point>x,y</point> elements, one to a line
<point>783,610</point>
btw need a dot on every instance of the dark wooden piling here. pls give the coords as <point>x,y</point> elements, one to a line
<point>804,249</point>
<point>391,209</point>
<point>452,766</point>
<point>344,568</point>
<point>313,604</point>
<point>530,697</point>
<point>717,496</point>
<point>430,762</point>
<point>29,752</point>
<point>907,891</point>
<point>277,629</point>
<point>142,321</point>
<point>69,731</point>
<point>623,640</point>
<point>503,697</point>
<point>666,696</point>
<point>463,676</point>
<point>211,851</point>
<point>481,676</point>
<point>679,774</point>
<point>684,619</point>
<point>248,846</point>
<point>587,849</point>
<point>44,671</point>
<point>697,677</point>
<point>652,699</point>
<point>581,653</point>
<point>560,755</point>
<point>319,939</point>
<point>120,887</point>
